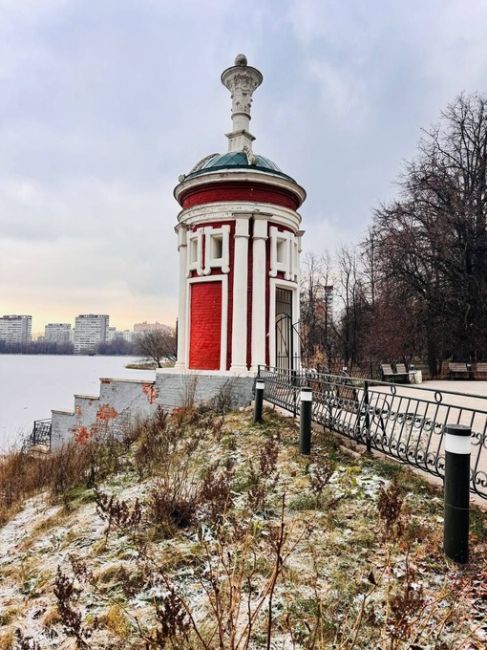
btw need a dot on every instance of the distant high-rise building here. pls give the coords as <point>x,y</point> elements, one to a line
<point>143,328</point>
<point>89,331</point>
<point>15,329</point>
<point>58,333</point>
<point>328,301</point>
<point>128,336</point>
<point>113,334</point>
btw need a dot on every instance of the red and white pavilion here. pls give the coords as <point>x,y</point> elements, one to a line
<point>239,241</point>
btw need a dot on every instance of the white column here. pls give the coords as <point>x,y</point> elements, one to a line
<point>259,333</point>
<point>241,80</point>
<point>183,287</point>
<point>239,312</point>
<point>297,317</point>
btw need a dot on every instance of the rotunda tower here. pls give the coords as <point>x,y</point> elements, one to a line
<point>239,241</point>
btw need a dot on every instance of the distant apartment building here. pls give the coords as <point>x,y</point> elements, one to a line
<point>89,331</point>
<point>58,333</point>
<point>113,334</point>
<point>143,328</point>
<point>15,329</point>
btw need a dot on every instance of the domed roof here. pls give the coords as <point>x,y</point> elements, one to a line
<point>235,160</point>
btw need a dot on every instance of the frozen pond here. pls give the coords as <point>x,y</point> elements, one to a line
<point>32,385</point>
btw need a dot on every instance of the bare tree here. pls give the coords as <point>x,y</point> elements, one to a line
<point>158,345</point>
<point>432,244</point>
<point>316,327</point>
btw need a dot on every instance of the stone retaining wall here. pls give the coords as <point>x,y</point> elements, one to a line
<point>122,401</point>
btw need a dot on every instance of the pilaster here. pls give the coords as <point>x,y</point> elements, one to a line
<point>240,285</point>
<point>183,288</point>
<point>259,282</point>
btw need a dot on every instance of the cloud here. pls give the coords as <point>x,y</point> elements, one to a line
<point>100,111</point>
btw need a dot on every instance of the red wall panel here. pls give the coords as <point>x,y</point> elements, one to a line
<point>205,325</point>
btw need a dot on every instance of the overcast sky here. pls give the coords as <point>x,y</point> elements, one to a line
<point>103,103</point>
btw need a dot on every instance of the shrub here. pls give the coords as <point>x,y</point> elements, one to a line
<point>172,507</point>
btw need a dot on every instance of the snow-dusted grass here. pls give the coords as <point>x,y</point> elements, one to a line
<point>223,536</point>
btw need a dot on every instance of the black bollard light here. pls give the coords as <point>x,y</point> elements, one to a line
<point>457,492</point>
<point>259,400</point>
<point>306,398</point>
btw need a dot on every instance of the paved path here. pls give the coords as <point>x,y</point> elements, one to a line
<point>470,388</point>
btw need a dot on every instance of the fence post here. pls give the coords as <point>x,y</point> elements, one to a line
<point>305,422</point>
<point>368,441</point>
<point>457,492</point>
<point>294,382</point>
<point>259,400</point>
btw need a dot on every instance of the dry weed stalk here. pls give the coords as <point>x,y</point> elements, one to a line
<point>71,619</point>
<point>119,514</point>
<point>25,642</point>
<point>263,480</point>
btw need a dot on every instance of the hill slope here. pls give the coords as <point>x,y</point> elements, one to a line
<point>209,532</point>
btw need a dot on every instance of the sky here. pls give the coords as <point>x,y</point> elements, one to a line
<point>104,103</point>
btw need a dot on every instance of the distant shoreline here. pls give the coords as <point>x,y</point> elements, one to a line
<point>143,365</point>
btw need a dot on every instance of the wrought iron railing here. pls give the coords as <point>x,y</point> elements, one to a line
<point>41,434</point>
<point>402,421</point>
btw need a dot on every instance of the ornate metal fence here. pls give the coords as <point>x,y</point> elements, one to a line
<point>41,434</point>
<point>402,421</point>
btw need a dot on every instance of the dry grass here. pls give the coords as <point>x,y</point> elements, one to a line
<point>74,465</point>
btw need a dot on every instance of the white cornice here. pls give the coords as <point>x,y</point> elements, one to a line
<point>241,176</point>
<point>227,210</point>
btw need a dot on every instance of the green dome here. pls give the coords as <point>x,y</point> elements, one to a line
<point>235,160</point>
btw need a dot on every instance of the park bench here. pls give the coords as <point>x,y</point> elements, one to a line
<point>479,368</point>
<point>458,369</point>
<point>400,376</point>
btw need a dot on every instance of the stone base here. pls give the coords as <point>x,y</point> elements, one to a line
<point>121,401</point>
<point>176,388</point>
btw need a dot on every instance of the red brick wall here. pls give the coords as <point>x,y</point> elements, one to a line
<point>205,326</point>
<point>255,192</point>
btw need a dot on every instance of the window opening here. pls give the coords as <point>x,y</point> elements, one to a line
<point>281,251</point>
<point>217,247</point>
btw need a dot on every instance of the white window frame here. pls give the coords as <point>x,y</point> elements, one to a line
<point>289,264</point>
<point>212,262</point>
<point>195,238</point>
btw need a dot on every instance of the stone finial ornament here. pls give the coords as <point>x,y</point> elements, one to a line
<point>241,80</point>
